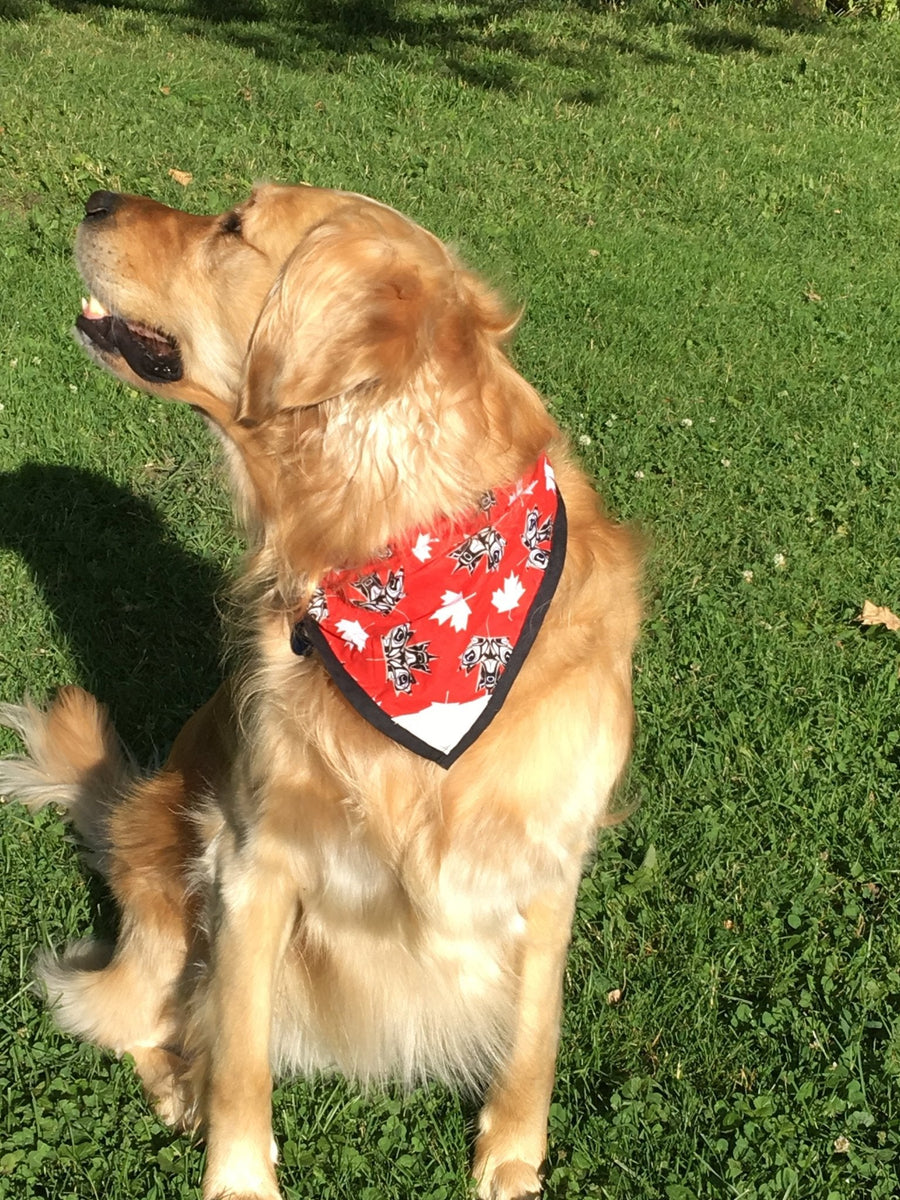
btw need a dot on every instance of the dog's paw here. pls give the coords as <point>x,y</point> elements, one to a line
<point>510,1180</point>
<point>175,1104</point>
<point>230,1194</point>
<point>166,1081</point>
<point>241,1177</point>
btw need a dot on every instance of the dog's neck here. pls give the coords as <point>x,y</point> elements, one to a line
<point>337,483</point>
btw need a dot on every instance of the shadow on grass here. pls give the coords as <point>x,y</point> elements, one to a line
<point>137,610</point>
<point>726,41</point>
<point>471,42</point>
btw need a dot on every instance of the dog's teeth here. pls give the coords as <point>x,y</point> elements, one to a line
<point>93,309</point>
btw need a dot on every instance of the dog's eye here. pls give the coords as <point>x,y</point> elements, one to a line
<point>231,223</point>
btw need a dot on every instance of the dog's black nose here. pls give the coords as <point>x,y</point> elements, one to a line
<point>101,204</point>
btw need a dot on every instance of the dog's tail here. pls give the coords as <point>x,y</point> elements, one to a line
<point>74,759</point>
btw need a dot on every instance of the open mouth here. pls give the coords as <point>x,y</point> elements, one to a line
<point>151,354</point>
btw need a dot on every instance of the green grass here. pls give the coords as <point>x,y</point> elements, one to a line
<point>700,211</point>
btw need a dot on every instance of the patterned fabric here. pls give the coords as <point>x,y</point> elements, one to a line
<point>426,641</point>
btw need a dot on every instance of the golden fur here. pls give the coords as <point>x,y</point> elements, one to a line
<point>297,891</point>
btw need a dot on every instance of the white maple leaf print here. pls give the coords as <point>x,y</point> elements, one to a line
<point>422,549</point>
<point>520,491</point>
<point>455,609</point>
<point>507,598</point>
<point>353,634</point>
<point>549,477</point>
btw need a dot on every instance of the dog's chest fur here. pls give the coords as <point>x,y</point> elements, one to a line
<point>404,957</point>
<point>410,912</point>
<point>423,884</point>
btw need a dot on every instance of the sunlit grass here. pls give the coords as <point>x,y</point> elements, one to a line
<point>699,213</point>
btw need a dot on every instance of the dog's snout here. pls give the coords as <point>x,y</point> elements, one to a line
<point>101,204</point>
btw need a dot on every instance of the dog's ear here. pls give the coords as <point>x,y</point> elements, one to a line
<point>346,311</point>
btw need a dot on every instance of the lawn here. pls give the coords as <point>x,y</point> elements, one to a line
<point>698,210</point>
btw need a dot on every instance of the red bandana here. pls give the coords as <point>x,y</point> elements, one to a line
<point>425,641</point>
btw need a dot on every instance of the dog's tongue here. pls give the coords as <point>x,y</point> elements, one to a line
<point>93,309</point>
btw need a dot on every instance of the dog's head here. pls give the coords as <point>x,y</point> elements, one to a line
<point>314,321</point>
<point>297,295</point>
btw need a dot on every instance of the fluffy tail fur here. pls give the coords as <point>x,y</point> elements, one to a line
<point>74,759</point>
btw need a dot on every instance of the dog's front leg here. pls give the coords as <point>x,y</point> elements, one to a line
<point>257,904</point>
<point>512,1140</point>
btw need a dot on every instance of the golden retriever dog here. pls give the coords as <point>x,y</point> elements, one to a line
<point>325,875</point>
